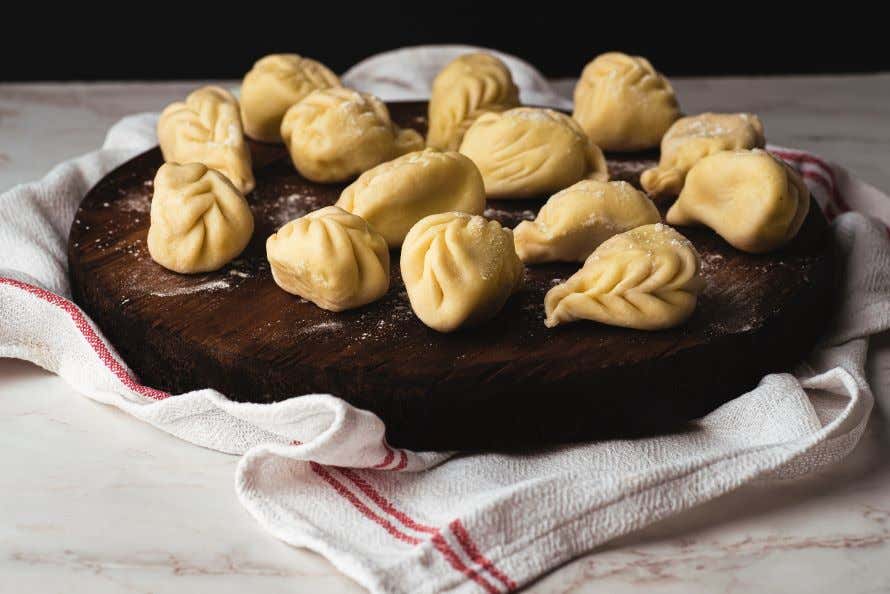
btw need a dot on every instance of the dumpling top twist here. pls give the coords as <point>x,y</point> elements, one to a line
<point>623,104</point>
<point>467,87</point>
<point>335,134</point>
<point>199,220</point>
<point>529,152</point>
<point>276,82</point>
<point>206,128</point>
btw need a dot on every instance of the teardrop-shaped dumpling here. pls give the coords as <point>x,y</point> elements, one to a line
<point>753,200</point>
<point>623,104</point>
<point>331,258</point>
<point>467,87</point>
<point>528,152</point>
<point>693,138</point>
<point>459,269</point>
<point>578,219</point>
<point>647,278</point>
<point>393,196</point>
<point>274,84</point>
<point>335,134</point>
<point>206,128</point>
<point>199,220</point>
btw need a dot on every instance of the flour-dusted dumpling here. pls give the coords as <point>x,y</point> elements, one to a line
<point>750,198</point>
<point>199,219</point>
<point>331,258</point>
<point>693,138</point>
<point>206,128</point>
<point>528,152</point>
<point>623,103</point>
<point>393,196</point>
<point>647,278</point>
<point>578,219</point>
<point>459,269</point>
<point>467,87</point>
<point>335,134</point>
<point>274,84</point>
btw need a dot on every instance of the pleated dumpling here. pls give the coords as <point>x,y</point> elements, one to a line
<point>335,134</point>
<point>750,198</point>
<point>459,269</point>
<point>393,196</point>
<point>206,128</point>
<point>623,104</point>
<point>693,138</point>
<point>647,278</point>
<point>199,219</point>
<point>578,219</point>
<point>330,257</point>
<point>529,152</point>
<point>467,87</point>
<point>274,84</point>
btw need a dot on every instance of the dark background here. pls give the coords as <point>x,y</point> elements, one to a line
<point>186,41</point>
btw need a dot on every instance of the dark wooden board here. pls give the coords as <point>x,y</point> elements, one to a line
<point>508,383</point>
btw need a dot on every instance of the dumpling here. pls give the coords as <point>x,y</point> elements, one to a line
<point>578,219</point>
<point>331,258</point>
<point>467,87</point>
<point>206,128</point>
<point>335,134</point>
<point>528,152</point>
<point>623,104</point>
<point>459,269</point>
<point>274,84</point>
<point>750,198</point>
<point>395,195</point>
<point>647,278</point>
<point>693,138</point>
<point>199,220</point>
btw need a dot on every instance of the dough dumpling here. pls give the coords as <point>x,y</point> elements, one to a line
<point>750,198</point>
<point>647,278</point>
<point>393,196</point>
<point>335,134</point>
<point>578,219</point>
<point>623,104</point>
<point>693,138</point>
<point>459,269</point>
<point>199,220</point>
<point>466,88</point>
<point>331,258</point>
<point>206,128</point>
<point>274,84</point>
<point>528,152</point>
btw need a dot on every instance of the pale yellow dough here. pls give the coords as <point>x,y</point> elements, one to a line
<point>623,104</point>
<point>647,278</point>
<point>467,87</point>
<point>750,198</point>
<point>576,220</point>
<point>273,85</point>
<point>335,134</point>
<point>206,128</point>
<point>459,269</point>
<point>199,220</point>
<point>393,196</point>
<point>331,258</point>
<point>693,138</point>
<point>529,152</point>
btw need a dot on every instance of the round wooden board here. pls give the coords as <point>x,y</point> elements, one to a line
<point>508,383</point>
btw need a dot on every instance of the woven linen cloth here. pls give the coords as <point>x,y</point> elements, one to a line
<point>318,473</point>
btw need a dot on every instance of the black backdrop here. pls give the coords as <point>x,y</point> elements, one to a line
<point>222,40</point>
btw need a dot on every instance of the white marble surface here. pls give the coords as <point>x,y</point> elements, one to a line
<point>92,500</point>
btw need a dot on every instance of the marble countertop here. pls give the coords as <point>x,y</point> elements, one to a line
<point>93,500</point>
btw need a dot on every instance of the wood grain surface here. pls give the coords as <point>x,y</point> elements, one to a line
<point>509,383</point>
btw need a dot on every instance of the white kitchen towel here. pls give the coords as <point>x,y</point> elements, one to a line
<point>317,472</point>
